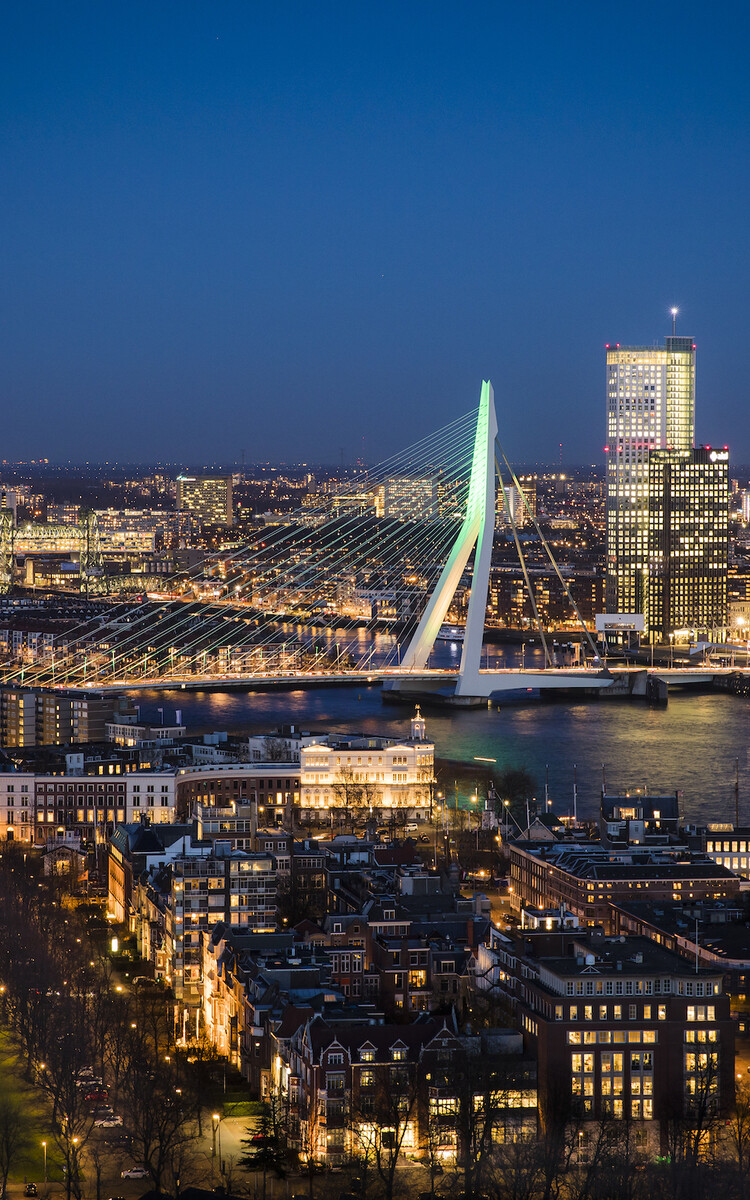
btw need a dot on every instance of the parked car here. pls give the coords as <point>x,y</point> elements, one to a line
<point>134,1173</point>
<point>100,1097</point>
<point>30,1189</point>
<point>108,1122</point>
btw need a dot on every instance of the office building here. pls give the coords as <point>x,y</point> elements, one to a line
<point>688,544</point>
<point>623,1029</point>
<point>209,499</point>
<point>517,505</point>
<point>650,406</point>
<point>410,498</point>
<point>667,502</point>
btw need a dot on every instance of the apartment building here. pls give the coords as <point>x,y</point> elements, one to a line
<point>273,787</point>
<point>355,1088</point>
<point>39,717</point>
<point>234,887</point>
<point>33,806</point>
<point>587,877</point>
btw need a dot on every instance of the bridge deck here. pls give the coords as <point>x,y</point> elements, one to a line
<point>506,679</point>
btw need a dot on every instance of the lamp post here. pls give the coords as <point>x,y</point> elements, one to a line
<point>215,1119</point>
<point>214,1125</point>
<point>73,1169</point>
<point>436,818</point>
<point>44,1148</point>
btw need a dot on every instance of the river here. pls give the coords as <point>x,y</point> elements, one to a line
<point>691,745</point>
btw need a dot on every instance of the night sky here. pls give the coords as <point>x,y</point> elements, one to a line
<point>284,227</point>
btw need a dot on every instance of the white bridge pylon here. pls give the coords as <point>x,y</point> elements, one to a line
<point>477,529</point>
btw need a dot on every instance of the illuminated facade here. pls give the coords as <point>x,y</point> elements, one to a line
<point>650,406</point>
<point>410,498</point>
<point>688,544</point>
<point>373,774</point>
<point>517,506</point>
<point>209,499</point>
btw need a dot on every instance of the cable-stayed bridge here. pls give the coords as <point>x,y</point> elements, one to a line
<point>356,585</point>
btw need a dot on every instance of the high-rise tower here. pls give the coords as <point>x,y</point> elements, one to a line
<point>667,502</point>
<point>688,544</point>
<point>650,406</point>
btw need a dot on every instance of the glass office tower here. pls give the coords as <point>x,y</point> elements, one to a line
<point>650,406</point>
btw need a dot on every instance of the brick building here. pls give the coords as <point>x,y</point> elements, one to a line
<point>622,1029</point>
<point>586,878</point>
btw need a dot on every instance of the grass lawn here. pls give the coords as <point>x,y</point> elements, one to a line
<point>36,1110</point>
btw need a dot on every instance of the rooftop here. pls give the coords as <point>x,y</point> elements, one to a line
<point>575,954</point>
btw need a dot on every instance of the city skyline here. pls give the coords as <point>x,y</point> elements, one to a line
<point>289,231</point>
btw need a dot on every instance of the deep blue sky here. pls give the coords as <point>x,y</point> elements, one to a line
<point>282,226</point>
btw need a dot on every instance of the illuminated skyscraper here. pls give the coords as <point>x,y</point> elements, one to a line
<point>667,502</point>
<point>650,406</point>
<point>688,516</point>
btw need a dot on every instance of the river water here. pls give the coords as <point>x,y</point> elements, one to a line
<point>691,745</point>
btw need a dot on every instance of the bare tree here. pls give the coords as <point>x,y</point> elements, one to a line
<point>738,1138</point>
<point>693,1126</point>
<point>274,750</point>
<point>355,794</point>
<point>160,1118</point>
<point>305,1133</point>
<point>14,1138</point>
<point>474,1099</point>
<point>384,1122</point>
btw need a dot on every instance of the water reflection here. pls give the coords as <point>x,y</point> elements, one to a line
<point>691,745</point>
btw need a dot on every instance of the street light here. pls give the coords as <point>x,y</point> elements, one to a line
<point>215,1124</point>
<point>44,1148</point>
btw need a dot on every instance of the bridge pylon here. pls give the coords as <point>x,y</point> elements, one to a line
<point>477,530</point>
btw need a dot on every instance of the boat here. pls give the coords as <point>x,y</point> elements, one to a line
<point>451,633</point>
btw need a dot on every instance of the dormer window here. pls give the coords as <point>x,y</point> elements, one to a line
<point>398,1053</point>
<point>367,1056</point>
<point>389,914</point>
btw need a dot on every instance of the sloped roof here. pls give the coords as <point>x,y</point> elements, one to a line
<point>352,1037</point>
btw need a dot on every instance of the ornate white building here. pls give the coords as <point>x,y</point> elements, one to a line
<point>369,775</point>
